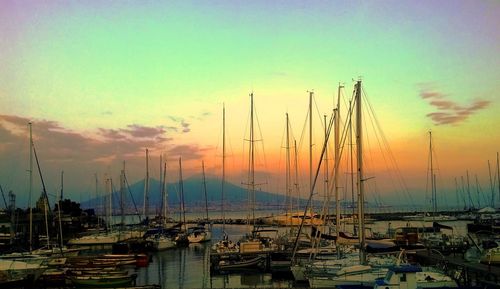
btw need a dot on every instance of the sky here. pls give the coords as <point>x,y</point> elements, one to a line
<point>101,81</point>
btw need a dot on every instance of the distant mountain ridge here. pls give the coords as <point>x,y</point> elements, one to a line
<point>234,195</point>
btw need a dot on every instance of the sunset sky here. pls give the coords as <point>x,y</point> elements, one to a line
<point>103,80</point>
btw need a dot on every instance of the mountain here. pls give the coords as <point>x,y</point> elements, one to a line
<point>235,196</point>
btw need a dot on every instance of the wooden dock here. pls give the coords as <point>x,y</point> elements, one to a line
<point>464,272</point>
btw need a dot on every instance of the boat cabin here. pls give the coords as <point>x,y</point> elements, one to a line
<point>403,277</point>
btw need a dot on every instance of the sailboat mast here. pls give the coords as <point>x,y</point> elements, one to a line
<point>337,162</point>
<point>252,160</point>
<point>165,193</point>
<point>44,194</point>
<point>146,186</point>
<point>351,153</point>
<point>161,185</point>
<point>477,192</point>
<point>492,204</point>
<point>468,190</point>
<point>361,197</point>
<point>31,187</point>
<point>97,203</point>
<point>433,197</point>
<point>181,190</point>
<point>327,193</point>
<point>223,166</point>
<point>296,168</point>
<point>111,222</point>
<point>498,176</point>
<point>122,196</point>
<point>205,188</point>
<point>287,173</point>
<point>59,209</point>
<point>310,142</point>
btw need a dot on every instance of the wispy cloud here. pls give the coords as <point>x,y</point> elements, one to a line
<point>449,111</point>
<point>183,125</point>
<point>83,153</point>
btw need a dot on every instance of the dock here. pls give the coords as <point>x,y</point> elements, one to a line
<point>464,272</point>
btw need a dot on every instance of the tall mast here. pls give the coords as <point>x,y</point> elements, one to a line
<point>361,197</point>
<point>111,222</point>
<point>287,173</point>
<point>31,187</point>
<point>351,148</point>
<point>181,189</point>
<point>498,176</point>
<point>296,165</point>
<point>97,203</point>
<point>491,187</point>
<point>205,188</point>
<point>327,194</point>
<point>468,190</point>
<point>106,209</point>
<point>310,141</point>
<point>161,184</point>
<point>122,196</point>
<point>252,160</point>
<point>433,192</point>
<point>59,209</point>
<point>223,166</point>
<point>44,194</point>
<point>165,193</point>
<point>477,192</point>
<point>146,186</point>
<point>337,162</point>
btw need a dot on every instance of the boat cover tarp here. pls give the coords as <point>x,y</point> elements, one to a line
<point>322,236</point>
<point>441,226</point>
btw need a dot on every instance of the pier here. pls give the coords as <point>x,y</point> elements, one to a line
<point>464,272</point>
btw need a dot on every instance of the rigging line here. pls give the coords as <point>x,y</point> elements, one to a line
<point>133,200</point>
<point>261,137</point>
<point>303,133</point>
<point>311,193</point>
<point>391,154</point>
<point>320,116</point>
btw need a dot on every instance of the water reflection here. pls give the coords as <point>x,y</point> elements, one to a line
<point>189,267</point>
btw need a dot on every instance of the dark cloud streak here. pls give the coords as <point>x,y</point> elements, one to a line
<point>449,112</point>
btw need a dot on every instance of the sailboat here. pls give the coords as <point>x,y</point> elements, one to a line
<point>200,233</point>
<point>24,268</point>
<point>226,255</point>
<point>107,238</point>
<point>182,235</point>
<point>163,238</point>
<point>360,273</point>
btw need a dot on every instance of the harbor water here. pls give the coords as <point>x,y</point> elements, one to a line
<point>189,267</point>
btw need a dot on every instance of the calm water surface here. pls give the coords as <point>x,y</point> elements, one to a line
<point>189,267</point>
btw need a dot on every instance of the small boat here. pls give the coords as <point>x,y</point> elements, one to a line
<point>199,234</point>
<point>241,263</point>
<point>160,242</point>
<point>491,257</point>
<point>294,219</point>
<point>410,277</point>
<point>18,271</point>
<point>98,239</point>
<point>102,281</point>
<point>96,273</point>
<point>56,250</point>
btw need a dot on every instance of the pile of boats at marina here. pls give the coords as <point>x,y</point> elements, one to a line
<point>327,263</point>
<point>109,270</point>
<point>75,265</point>
<point>326,257</point>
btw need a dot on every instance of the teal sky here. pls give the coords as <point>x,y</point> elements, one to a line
<point>91,68</point>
